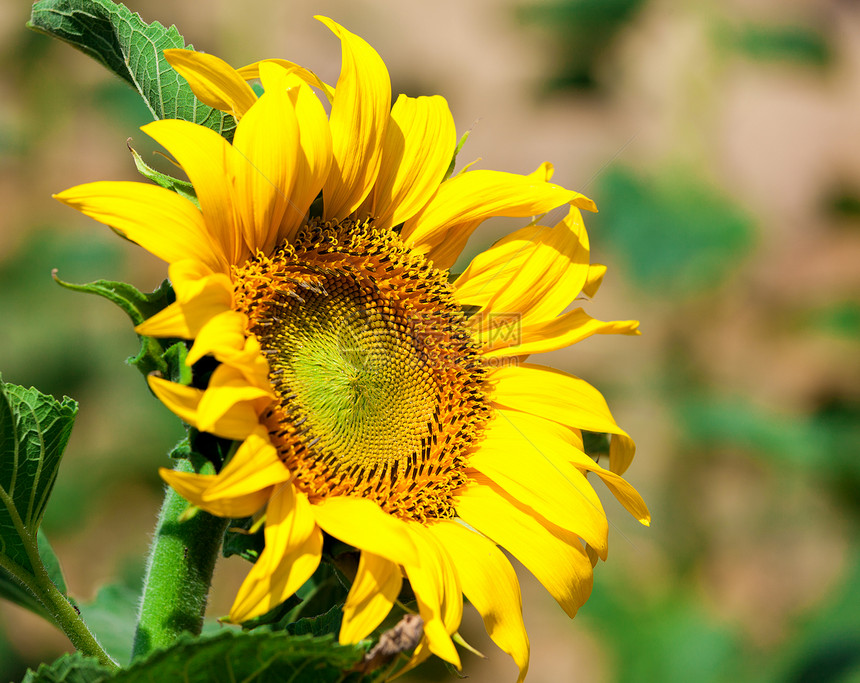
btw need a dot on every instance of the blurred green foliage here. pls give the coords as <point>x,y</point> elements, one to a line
<point>799,44</point>
<point>579,36</point>
<point>677,236</point>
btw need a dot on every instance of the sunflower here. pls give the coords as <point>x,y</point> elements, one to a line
<point>377,398</point>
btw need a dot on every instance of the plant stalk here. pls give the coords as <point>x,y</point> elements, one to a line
<point>178,573</point>
<point>63,614</point>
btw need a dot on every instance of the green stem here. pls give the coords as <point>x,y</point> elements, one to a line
<point>61,610</point>
<point>178,574</point>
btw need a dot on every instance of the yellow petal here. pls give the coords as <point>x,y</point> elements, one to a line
<point>442,228</point>
<point>254,467</point>
<point>157,219</point>
<point>252,71</point>
<point>292,554</point>
<point>221,333</point>
<point>228,404</point>
<point>621,452</point>
<point>515,454</point>
<point>363,524</point>
<point>237,422</point>
<point>544,172</point>
<point>241,488</point>
<point>193,487</point>
<point>313,154</point>
<point>207,159</point>
<point>374,590</point>
<point>622,490</point>
<point>249,361</point>
<point>490,584</point>
<point>419,143</point>
<point>557,333</point>
<point>594,279</point>
<point>359,115</point>
<point>563,449</point>
<point>555,556</point>
<point>438,593</point>
<point>182,400</point>
<point>201,295</point>
<point>535,272</point>
<point>554,395</point>
<point>267,146</point>
<point>213,81</point>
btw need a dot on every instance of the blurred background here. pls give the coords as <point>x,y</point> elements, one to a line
<point>721,141</point>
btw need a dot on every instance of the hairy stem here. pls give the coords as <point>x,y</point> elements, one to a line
<point>178,574</point>
<point>63,614</point>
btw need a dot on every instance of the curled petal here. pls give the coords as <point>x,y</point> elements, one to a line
<point>359,115</point>
<point>441,229</point>
<point>213,81</point>
<point>374,590</point>
<point>418,146</point>
<point>555,395</point>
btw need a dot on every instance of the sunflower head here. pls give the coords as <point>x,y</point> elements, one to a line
<point>373,394</point>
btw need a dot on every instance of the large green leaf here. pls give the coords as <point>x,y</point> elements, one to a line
<point>228,656</point>
<point>73,668</point>
<point>134,50</point>
<point>34,430</point>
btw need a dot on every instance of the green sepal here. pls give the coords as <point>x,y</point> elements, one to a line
<point>133,50</point>
<point>595,444</point>
<point>180,187</point>
<point>316,595</point>
<point>313,599</point>
<point>139,307</point>
<point>174,360</point>
<point>240,541</point>
<point>453,163</point>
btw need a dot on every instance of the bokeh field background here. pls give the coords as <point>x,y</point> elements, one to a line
<point>721,141</point>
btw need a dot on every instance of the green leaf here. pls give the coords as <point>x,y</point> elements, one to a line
<point>73,668</point>
<point>258,656</point>
<point>138,306</point>
<point>324,624</point>
<point>132,49</point>
<point>34,430</point>
<point>112,617</point>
